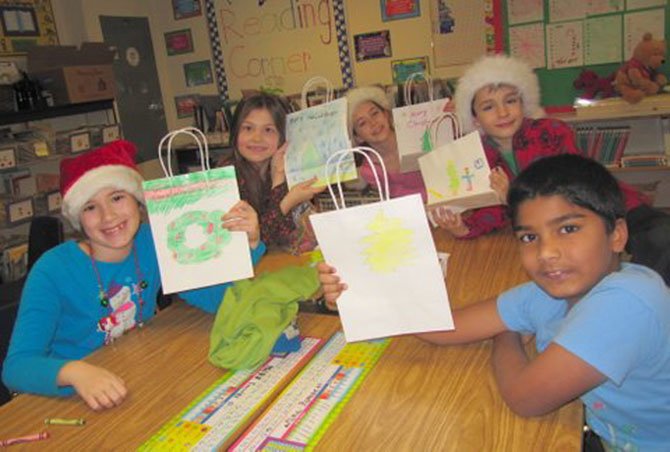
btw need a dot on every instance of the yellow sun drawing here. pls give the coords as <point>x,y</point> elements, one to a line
<point>389,245</point>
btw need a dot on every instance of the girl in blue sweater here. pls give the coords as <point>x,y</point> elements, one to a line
<point>83,294</point>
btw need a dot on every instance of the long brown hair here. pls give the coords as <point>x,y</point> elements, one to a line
<point>257,185</point>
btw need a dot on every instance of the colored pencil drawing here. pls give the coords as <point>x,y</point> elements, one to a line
<point>457,172</point>
<point>197,236</point>
<point>313,135</point>
<point>185,214</point>
<point>389,246</point>
<point>168,195</point>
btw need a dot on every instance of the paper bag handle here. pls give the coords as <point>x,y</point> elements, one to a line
<point>434,126</point>
<point>340,155</point>
<point>313,81</point>
<point>410,82</point>
<point>199,138</point>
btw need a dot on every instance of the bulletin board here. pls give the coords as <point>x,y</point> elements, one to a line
<point>560,38</point>
<point>24,24</point>
<point>279,45</point>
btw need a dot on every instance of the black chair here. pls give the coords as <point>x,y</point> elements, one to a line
<point>45,233</point>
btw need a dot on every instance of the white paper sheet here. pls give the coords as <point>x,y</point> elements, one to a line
<point>386,255</point>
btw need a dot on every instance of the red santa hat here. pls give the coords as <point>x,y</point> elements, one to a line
<point>110,166</point>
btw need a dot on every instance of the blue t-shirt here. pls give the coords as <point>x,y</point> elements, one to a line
<point>61,317</point>
<point>621,328</point>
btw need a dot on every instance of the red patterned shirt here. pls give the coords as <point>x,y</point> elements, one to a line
<point>535,139</point>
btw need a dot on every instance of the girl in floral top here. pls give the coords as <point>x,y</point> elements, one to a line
<point>258,138</point>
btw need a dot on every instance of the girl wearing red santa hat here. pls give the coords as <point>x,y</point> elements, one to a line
<point>85,293</point>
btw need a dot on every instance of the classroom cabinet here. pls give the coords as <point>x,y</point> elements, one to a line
<point>32,143</point>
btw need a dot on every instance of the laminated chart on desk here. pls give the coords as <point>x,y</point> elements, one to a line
<point>226,407</point>
<point>302,413</point>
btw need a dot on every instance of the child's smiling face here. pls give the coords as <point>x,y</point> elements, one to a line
<point>498,111</point>
<point>110,220</point>
<point>372,124</point>
<point>258,136</point>
<point>565,248</point>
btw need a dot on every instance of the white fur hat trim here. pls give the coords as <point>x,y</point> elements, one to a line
<point>497,70</point>
<point>357,96</point>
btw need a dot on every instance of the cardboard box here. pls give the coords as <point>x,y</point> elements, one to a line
<point>74,75</point>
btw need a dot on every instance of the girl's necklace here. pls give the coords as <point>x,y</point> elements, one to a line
<point>102,293</point>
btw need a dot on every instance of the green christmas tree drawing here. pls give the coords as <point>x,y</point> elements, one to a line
<point>426,142</point>
<point>389,245</point>
<point>454,178</point>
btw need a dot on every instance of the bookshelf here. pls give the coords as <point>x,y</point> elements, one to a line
<point>632,140</point>
<point>31,147</point>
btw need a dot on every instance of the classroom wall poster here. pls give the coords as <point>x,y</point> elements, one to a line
<point>372,45</point>
<point>595,7</point>
<point>178,42</point>
<point>565,45</point>
<point>198,73</point>
<point>25,24</point>
<point>527,43</point>
<point>399,9</point>
<point>562,10</point>
<point>603,40</point>
<point>402,69</point>
<point>183,9</point>
<point>278,44</point>
<point>638,23</point>
<point>185,105</point>
<point>522,11</point>
<point>639,4</point>
<point>459,33</point>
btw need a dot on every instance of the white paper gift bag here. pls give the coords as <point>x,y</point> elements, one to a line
<point>185,211</point>
<point>456,174</point>
<point>421,127</point>
<point>314,134</point>
<point>385,253</point>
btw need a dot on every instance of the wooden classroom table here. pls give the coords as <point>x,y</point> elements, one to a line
<point>418,397</point>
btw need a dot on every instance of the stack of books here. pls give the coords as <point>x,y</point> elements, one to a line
<point>604,144</point>
<point>646,160</point>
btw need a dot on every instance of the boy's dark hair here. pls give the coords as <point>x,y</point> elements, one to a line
<point>257,186</point>
<point>580,180</point>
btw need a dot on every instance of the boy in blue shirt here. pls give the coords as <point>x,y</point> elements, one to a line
<point>601,327</point>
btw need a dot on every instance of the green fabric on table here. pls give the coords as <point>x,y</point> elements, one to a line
<point>253,314</point>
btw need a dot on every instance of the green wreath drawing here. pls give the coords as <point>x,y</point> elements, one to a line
<point>210,222</point>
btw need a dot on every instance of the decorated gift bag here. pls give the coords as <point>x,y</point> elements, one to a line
<point>456,175</point>
<point>421,127</point>
<point>385,253</point>
<point>185,211</point>
<point>314,134</point>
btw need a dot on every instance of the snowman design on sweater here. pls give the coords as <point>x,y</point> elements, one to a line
<point>122,316</point>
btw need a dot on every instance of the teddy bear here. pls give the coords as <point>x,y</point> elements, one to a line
<point>638,77</point>
<point>594,85</point>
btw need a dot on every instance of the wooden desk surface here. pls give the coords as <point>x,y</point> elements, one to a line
<point>418,397</point>
<point>426,397</point>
